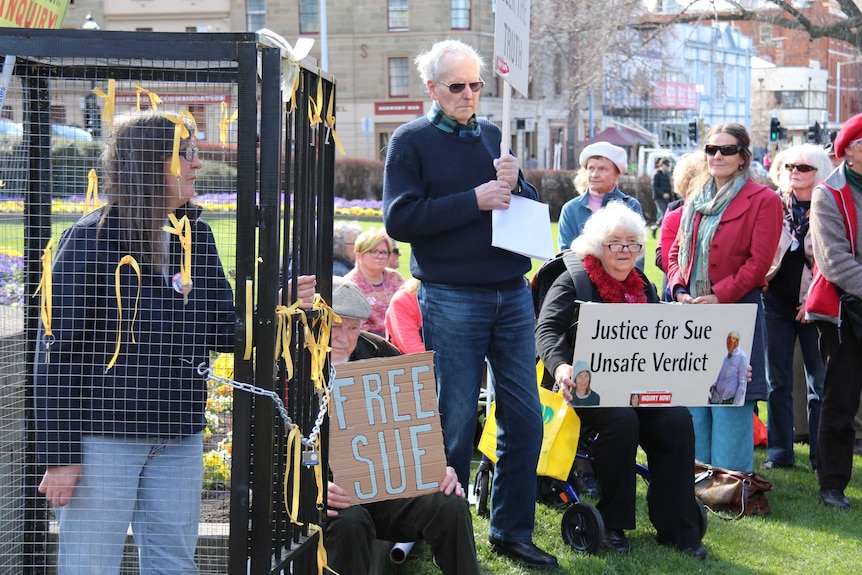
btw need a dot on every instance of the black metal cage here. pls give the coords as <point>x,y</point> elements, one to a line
<point>267,149</point>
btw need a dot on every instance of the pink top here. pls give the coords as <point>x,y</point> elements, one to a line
<point>669,228</point>
<point>404,322</point>
<point>377,295</point>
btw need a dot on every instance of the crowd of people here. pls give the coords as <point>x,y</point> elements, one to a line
<point>726,239</point>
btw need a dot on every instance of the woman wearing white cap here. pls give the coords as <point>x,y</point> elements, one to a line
<point>603,164</point>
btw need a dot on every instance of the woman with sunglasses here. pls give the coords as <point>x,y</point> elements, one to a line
<point>838,259</point>
<point>728,235</point>
<point>377,282</point>
<point>795,171</point>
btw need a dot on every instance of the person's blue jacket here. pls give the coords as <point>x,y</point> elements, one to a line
<point>576,212</point>
<point>153,389</point>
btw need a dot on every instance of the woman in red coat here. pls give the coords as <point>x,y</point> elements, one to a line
<point>728,235</point>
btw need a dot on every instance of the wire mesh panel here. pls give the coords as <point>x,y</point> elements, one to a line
<point>128,257</point>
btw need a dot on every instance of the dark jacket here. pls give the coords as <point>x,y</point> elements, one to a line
<point>371,345</point>
<point>154,389</point>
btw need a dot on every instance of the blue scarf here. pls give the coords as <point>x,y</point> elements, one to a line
<point>437,117</point>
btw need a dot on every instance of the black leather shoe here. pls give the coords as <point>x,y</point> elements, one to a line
<point>697,552</point>
<point>615,540</point>
<point>833,498</point>
<point>525,553</point>
<point>772,464</point>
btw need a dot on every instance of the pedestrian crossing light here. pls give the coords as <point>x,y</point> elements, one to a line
<point>774,130</point>
<point>692,131</point>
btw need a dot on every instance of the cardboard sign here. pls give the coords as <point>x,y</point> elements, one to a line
<point>663,354</point>
<point>386,441</point>
<point>33,13</point>
<point>512,43</point>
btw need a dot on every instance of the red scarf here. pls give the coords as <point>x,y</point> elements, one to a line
<point>612,290</point>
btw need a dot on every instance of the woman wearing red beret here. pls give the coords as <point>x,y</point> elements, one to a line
<point>836,255</point>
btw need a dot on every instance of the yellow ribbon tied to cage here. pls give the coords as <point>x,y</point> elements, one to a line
<point>182,228</point>
<point>92,187</point>
<point>226,119</point>
<point>181,132</point>
<point>290,59</point>
<point>330,122</point>
<point>130,261</point>
<point>45,288</point>
<point>154,98</point>
<point>283,333</point>
<point>108,108</point>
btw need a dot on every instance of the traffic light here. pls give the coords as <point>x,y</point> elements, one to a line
<point>774,130</point>
<point>692,131</point>
<point>814,133</point>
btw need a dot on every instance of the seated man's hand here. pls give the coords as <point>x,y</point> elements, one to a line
<point>337,498</point>
<point>564,381</point>
<point>450,483</point>
<point>305,286</point>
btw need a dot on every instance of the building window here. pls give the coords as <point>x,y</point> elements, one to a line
<point>399,77</point>
<point>397,15</point>
<point>309,16</point>
<point>256,14</point>
<point>460,14</point>
<point>766,35</point>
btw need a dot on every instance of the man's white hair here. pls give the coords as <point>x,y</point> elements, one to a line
<point>430,63</point>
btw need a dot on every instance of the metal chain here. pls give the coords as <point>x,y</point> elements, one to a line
<point>310,441</point>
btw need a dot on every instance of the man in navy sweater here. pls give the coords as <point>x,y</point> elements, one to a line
<point>443,176</point>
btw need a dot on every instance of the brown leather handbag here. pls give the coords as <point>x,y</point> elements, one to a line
<point>737,492</point>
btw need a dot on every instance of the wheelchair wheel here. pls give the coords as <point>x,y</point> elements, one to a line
<point>583,528</point>
<point>701,518</point>
<point>482,487</point>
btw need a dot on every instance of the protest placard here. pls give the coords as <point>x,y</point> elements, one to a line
<point>663,354</point>
<point>386,441</point>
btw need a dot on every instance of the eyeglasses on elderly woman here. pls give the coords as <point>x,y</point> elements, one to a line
<point>804,168</point>
<point>632,248</point>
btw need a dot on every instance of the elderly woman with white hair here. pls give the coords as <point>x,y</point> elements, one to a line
<point>602,163</point>
<point>795,171</point>
<point>611,241</point>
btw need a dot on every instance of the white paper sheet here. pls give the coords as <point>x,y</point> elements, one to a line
<point>525,228</point>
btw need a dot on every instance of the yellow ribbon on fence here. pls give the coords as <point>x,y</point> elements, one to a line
<point>92,187</point>
<point>292,461</point>
<point>330,122</point>
<point>226,119</point>
<point>315,105</point>
<point>249,318</point>
<point>46,288</point>
<point>283,333</point>
<point>183,230</point>
<point>126,260</point>
<point>108,108</point>
<point>154,98</point>
<point>318,345</point>
<point>180,133</point>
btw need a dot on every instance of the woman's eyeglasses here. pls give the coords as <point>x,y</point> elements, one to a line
<point>189,153</point>
<point>804,168</point>
<point>729,150</point>
<point>458,87</point>
<point>378,254</point>
<point>632,248</point>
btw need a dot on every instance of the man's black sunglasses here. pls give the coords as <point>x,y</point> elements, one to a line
<point>729,150</point>
<point>458,87</point>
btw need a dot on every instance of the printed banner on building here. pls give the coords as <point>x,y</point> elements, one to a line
<point>386,441</point>
<point>662,354</point>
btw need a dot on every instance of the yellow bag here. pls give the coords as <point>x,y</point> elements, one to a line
<point>559,440</point>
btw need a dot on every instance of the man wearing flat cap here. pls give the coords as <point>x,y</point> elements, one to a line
<point>443,519</point>
<point>603,163</point>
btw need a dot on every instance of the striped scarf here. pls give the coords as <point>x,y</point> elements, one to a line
<point>437,117</point>
<point>710,203</point>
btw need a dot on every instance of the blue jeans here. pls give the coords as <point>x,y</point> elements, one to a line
<point>464,325</point>
<point>152,484</point>
<point>782,329</point>
<point>723,435</point>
